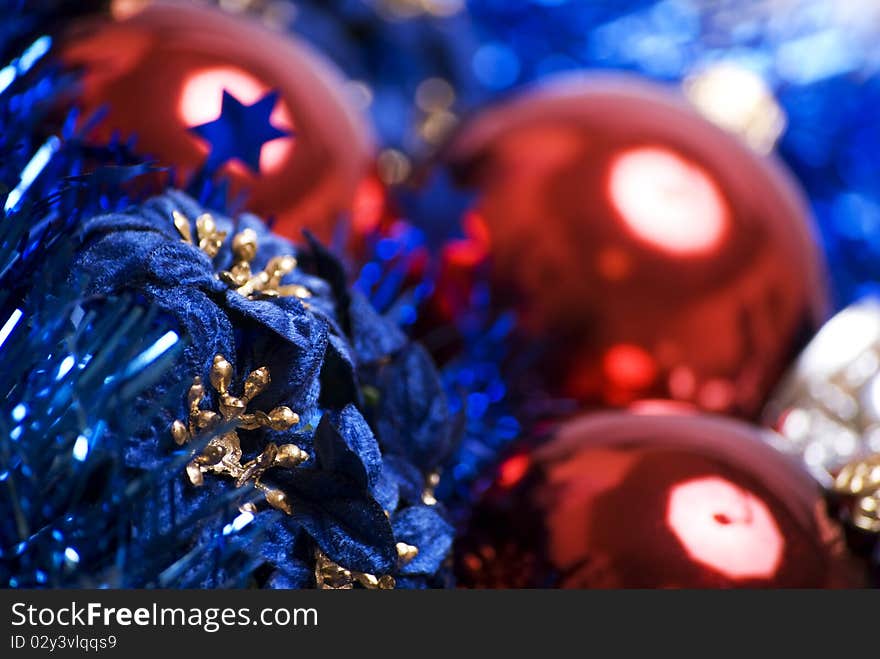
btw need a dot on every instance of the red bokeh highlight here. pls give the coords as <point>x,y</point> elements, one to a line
<point>629,367</point>
<point>512,470</point>
<point>670,203</point>
<point>725,527</point>
<point>617,500</point>
<point>370,206</point>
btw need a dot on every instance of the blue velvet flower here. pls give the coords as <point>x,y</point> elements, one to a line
<point>373,418</point>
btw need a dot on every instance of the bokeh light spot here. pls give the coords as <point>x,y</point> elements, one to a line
<point>629,366</point>
<point>513,469</point>
<point>725,527</point>
<point>668,201</point>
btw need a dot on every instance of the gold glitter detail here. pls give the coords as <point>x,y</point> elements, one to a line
<point>181,223</point>
<point>332,576</point>
<point>406,553</point>
<point>252,285</point>
<point>861,479</point>
<point>222,455</point>
<point>428,497</point>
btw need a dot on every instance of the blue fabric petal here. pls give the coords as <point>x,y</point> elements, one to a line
<point>333,454</point>
<point>414,419</point>
<point>386,491</point>
<point>117,261</point>
<point>338,513</point>
<point>295,327</point>
<point>297,576</point>
<point>317,353</point>
<point>358,437</point>
<point>179,264</point>
<point>328,267</point>
<point>423,527</point>
<point>208,327</point>
<point>277,544</point>
<point>338,376</point>
<point>113,223</point>
<point>373,336</point>
<point>409,480</point>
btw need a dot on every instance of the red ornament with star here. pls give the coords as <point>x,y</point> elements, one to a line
<point>619,500</point>
<point>648,252</point>
<point>196,86</point>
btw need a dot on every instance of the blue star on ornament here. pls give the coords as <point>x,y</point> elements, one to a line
<point>240,131</point>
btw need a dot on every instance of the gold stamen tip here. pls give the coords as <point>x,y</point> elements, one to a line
<point>210,239</point>
<point>294,290</point>
<point>256,382</point>
<point>386,582</point>
<point>282,418</point>
<point>290,455</point>
<point>244,245</point>
<point>221,374</point>
<point>206,225</point>
<point>194,473</point>
<point>277,499</point>
<point>212,455</point>
<point>183,226</point>
<point>223,453</point>
<point>287,263</point>
<point>180,433</point>
<point>196,392</point>
<point>406,553</point>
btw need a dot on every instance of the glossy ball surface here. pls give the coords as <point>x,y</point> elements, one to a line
<point>651,253</point>
<point>162,70</point>
<point>620,500</point>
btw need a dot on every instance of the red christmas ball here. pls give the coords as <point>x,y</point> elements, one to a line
<point>163,70</point>
<point>619,500</point>
<point>652,253</point>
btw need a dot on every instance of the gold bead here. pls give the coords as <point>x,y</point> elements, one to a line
<point>294,290</point>
<point>194,472</point>
<point>196,394</point>
<point>406,553</point>
<point>212,455</point>
<point>221,374</point>
<point>290,455</point>
<point>244,245</point>
<point>231,407</point>
<point>279,266</point>
<point>386,582</point>
<point>205,419</point>
<point>183,226</point>
<point>277,499</point>
<point>282,418</point>
<point>180,433</point>
<point>256,383</point>
<point>210,239</point>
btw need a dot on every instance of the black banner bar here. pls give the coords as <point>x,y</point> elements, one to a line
<point>405,625</point>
